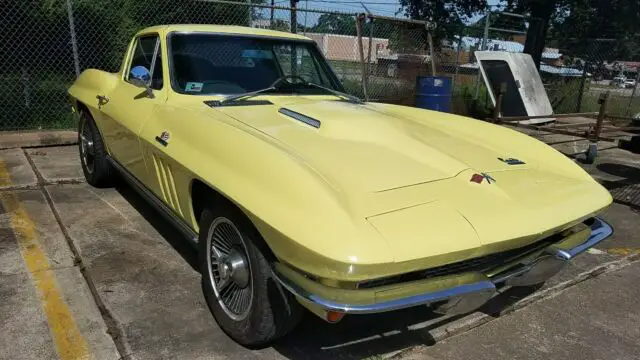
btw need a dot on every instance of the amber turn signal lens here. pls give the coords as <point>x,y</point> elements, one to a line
<point>334,317</point>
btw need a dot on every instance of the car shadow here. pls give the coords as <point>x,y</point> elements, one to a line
<point>356,336</point>
<point>362,336</point>
<point>172,236</point>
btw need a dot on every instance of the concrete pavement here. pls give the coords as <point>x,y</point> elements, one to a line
<point>597,319</point>
<point>129,282</point>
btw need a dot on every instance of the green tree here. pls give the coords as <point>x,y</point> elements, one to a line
<point>576,22</point>
<point>449,15</point>
<point>335,24</point>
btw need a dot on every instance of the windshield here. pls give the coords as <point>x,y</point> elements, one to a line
<point>222,64</point>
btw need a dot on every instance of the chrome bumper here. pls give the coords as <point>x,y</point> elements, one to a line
<point>462,298</point>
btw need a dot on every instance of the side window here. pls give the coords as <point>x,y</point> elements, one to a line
<point>144,50</point>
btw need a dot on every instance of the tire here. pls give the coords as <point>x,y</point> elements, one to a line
<point>93,155</point>
<point>269,311</point>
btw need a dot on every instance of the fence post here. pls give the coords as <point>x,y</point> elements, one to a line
<point>633,94</point>
<point>604,99</point>
<point>592,151</point>
<point>455,74</point>
<point>294,17</point>
<point>485,41</point>
<point>74,41</point>
<point>273,3</point>
<point>430,26</point>
<point>584,79</point>
<point>359,20</point>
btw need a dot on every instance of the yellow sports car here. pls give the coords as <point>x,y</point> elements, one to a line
<point>299,195</point>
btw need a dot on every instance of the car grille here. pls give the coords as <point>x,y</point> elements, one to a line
<point>477,264</point>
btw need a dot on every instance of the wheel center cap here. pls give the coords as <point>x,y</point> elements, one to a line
<point>234,266</point>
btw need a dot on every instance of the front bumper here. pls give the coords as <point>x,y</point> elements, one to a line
<point>456,294</point>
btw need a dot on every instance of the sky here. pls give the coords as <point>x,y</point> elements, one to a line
<point>379,7</point>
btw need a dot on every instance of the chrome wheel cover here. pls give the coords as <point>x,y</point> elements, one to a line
<point>87,152</point>
<point>229,268</point>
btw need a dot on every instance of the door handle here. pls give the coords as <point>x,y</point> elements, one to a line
<point>102,99</point>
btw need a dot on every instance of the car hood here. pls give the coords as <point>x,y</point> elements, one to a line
<point>391,185</point>
<point>363,149</point>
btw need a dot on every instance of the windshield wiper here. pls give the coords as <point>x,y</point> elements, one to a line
<point>337,93</point>
<point>274,86</point>
<point>232,98</point>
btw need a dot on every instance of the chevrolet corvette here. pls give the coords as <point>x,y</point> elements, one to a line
<point>300,196</point>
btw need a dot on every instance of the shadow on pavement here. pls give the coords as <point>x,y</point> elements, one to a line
<point>172,236</point>
<point>627,190</point>
<point>360,336</point>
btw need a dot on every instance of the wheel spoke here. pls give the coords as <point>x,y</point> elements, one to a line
<point>245,298</point>
<point>223,284</point>
<point>223,244</point>
<point>229,235</point>
<point>232,284</point>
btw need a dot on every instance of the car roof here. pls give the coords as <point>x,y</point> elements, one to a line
<point>224,29</point>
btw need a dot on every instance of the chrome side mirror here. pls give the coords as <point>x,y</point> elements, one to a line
<point>141,77</point>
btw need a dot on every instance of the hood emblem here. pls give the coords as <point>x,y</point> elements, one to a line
<point>478,178</point>
<point>512,161</point>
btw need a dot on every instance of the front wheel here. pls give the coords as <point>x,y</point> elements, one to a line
<point>237,280</point>
<point>93,155</point>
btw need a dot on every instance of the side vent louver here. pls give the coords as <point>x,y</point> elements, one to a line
<point>167,184</point>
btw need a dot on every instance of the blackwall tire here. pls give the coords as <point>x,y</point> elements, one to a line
<point>272,311</point>
<point>93,156</point>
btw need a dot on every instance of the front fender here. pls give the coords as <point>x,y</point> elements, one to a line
<point>303,217</point>
<point>89,84</point>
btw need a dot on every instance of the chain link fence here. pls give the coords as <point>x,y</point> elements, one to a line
<point>44,45</point>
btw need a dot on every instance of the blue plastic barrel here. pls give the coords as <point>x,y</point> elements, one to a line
<point>433,93</point>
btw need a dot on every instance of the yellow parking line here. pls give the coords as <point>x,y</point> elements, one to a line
<point>70,344</point>
<point>5,178</point>
<point>623,251</point>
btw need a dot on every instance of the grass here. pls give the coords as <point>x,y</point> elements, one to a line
<point>29,105</point>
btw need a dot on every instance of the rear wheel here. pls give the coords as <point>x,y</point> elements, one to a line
<point>93,155</point>
<point>237,280</point>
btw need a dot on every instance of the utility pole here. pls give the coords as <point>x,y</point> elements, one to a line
<point>294,17</point>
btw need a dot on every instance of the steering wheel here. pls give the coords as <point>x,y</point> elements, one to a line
<point>281,79</point>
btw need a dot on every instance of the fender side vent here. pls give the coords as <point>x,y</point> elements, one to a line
<point>300,117</point>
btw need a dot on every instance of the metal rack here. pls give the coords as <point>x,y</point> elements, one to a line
<point>591,126</point>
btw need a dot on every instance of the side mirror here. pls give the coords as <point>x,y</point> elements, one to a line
<point>141,77</point>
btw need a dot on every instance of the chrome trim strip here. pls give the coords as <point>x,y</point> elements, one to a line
<point>156,203</point>
<point>503,277</point>
<point>300,117</point>
<point>391,305</point>
<point>600,230</point>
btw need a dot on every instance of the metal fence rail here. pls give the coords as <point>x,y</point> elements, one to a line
<point>45,45</point>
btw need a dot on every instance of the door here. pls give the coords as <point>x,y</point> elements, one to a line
<point>128,107</point>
